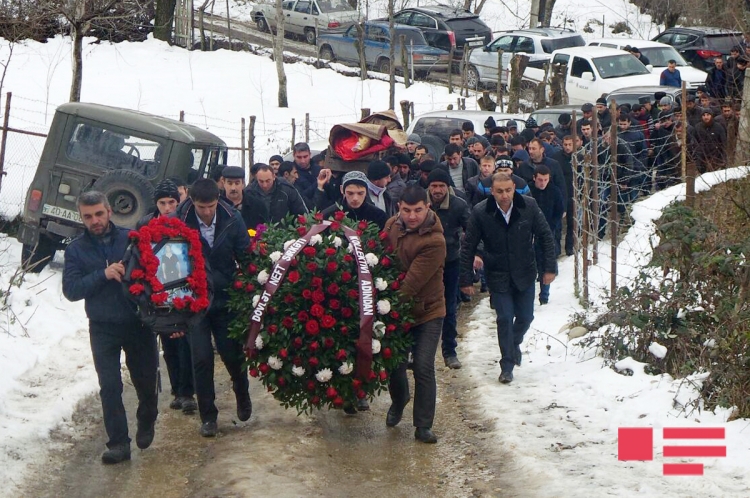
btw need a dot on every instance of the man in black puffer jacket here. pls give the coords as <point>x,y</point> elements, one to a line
<point>355,201</point>
<point>93,272</point>
<point>507,224</point>
<point>223,237</point>
<point>280,198</point>
<point>454,216</point>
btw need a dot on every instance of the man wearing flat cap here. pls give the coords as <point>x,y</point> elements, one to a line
<point>253,210</point>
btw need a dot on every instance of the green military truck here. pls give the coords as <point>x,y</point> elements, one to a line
<point>120,152</point>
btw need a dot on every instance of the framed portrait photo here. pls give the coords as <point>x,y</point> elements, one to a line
<point>174,263</point>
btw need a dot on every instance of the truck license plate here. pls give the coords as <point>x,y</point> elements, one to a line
<point>475,42</point>
<point>58,212</point>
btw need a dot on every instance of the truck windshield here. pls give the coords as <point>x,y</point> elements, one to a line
<point>659,56</point>
<point>334,6</point>
<point>617,66</point>
<point>551,44</point>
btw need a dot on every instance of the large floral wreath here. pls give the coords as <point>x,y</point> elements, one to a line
<point>169,305</point>
<point>320,312</point>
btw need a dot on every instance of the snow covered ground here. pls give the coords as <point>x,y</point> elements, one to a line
<point>560,415</point>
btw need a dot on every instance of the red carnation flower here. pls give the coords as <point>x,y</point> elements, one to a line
<point>344,330</point>
<point>339,215</point>
<point>372,376</point>
<point>390,329</point>
<point>311,385</point>
<point>361,394</point>
<point>137,274</point>
<point>348,258</point>
<point>313,347</point>
<point>302,230</point>
<point>353,294</point>
<point>253,372</point>
<point>317,310</point>
<point>371,244</point>
<point>332,266</point>
<point>335,225</point>
<point>383,375</point>
<point>318,216</point>
<point>395,285</point>
<point>284,353</point>
<point>389,248</point>
<point>309,251</point>
<point>307,293</point>
<point>272,329</point>
<point>347,312</point>
<point>264,368</point>
<point>238,285</point>
<point>316,282</point>
<point>287,322</point>
<point>249,288</point>
<point>294,262</point>
<point>385,261</point>
<point>179,303</point>
<point>159,298</point>
<point>297,342</point>
<point>312,327</point>
<point>338,402</point>
<point>387,353</point>
<point>328,322</point>
<point>407,326</point>
<point>289,299</point>
<point>359,233</point>
<point>315,400</point>
<point>331,392</point>
<point>297,361</point>
<point>383,235</point>
<point>330,251</point>
<point>313,362</point>
<point>312,266</point>
<point>318,296</point>
<point>301,219</point>
<point>362,225</point>
<point>271,310</point>
<point>281,382</point>
<point>136,289</point>
<point>328,343</point>
<point>401,277</point>
<point>395,315</point>
<point>356,383</point>
<point>293,276</point>
<point>334,304</point>
<point>346,276</point>
<point>340,355</point>
<point>302,316</point>
<point>251,268</point>
<point>333,289</point>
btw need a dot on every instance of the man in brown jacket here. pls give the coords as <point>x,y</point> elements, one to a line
<point>417,235</point>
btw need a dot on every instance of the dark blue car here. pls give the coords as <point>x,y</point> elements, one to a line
<point>341,47</point>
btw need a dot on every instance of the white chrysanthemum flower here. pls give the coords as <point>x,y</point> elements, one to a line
<point>316,239</point>
<point>259,343</point>
<point>275,362</point>
<point>375,346</point>
<point>324,375</point>
<point>378,328</point>
<point>275,256</point>
<point>381,284</point>
<point>298,371</point>
<point>346,368</point>
<point>384,307</point>
<point>349,248</point>
<point>256,299</point>
<point>288,243</point>
<point>337,242</point>
<point>262,277</point>
<point>372,260</point>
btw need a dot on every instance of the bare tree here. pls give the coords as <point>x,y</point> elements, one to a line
<point>278,55</point>
<point>478,6</point>
<point>164,20</point>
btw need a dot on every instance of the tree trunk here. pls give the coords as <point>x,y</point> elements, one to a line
<point>164,20</point>
<point>278,55</point>
<point>361,50</point>
<point>549,5</point>
<point>76,35</point>
<point>534,14</point>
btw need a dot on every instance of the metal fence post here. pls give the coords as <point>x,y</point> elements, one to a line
<point>3,142</point>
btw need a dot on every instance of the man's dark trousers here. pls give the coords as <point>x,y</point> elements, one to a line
<point>216,322</point>
<point>426,338</point>
<point>569,226</point>
<point>179,365</point>
<point>450,281</point>
<point>141,358</point>
<point>515,312</point>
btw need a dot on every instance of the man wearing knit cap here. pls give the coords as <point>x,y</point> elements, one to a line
<point>253,210</point>
<point>512,127</point>
<point>355,201</point>
<point>379,175</point>
<point>454,215</point>
<point>275,163</point>
<point>411,144</point>
<point>563,126</point>
<point>176,348</point>
<point>602,113</point>
<point>489,123</point>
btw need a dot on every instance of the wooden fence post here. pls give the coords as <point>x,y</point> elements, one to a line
<point>500,79</point>
<point>404,61</point>
<point>242,143</point>
<point>307,127</point>
<point>251,142</point>
<point>450,70</point>
<point>405,112</point>
<point>613,215</point>
<point>573,210</point>
<point>294,133</point>
<point>364,112</point>
<point>4,141</point>
<point>595,179</point>
<point>411,111</point>
<point>182,116</point>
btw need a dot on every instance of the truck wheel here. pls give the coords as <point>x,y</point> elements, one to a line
<point>326,52</point>
<point>384,66</point>
<point>35,258</point>
<point>435,146</point>
<point>472,77</point>
<point>129,194</point>
<point>528,91</point>
<point>310,36</point>
<point>420,75</point>
<point>262,24</point>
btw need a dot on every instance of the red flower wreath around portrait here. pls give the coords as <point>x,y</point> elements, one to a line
<point>145,277</point>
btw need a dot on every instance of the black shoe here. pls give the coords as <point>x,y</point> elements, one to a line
<point>483,288</point>
<point>209,429</point>
<point>176,403</point>
<point>349,409</point>
<point>569,252</point>
<point>519,356</point>
<point>506,377</point>
<point>425,435</point>
<point>244,406</point>
<point>465,298</point>
<point>189,406</point>
<point>542,302</point>
<point>363,405</point>
<point>394,416</point>
<point>452,362</point>
<point>145,434</point>
<point>116,454</point>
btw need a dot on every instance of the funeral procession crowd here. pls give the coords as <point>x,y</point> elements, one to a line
<point>487,216</point>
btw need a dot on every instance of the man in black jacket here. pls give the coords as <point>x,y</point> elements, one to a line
<point>507,224</point>
<point>307,169</point>
<point>223,237</point>
<point>717,78</point>
<point>279,198</point>
<point>539,157</point>
<point>253,210</point>
<point>454,216</point>
<point>565,158</point>
<point>93,272</point>
<point>550,201</point>
<point>355,202</point>
<point>460,168</point>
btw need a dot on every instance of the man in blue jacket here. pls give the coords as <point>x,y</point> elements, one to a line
<point>93,271</point>
<point>671,75</point>
<point>224,237</point>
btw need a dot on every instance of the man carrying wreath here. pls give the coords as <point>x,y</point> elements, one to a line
<point>417,236</point>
